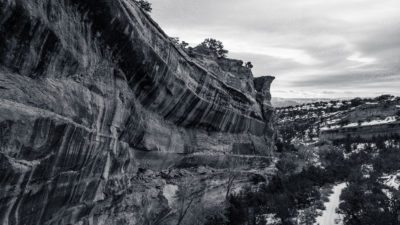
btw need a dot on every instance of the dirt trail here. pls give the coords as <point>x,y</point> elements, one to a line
<point>329,215</point>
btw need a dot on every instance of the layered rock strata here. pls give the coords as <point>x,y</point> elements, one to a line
<point>89,91</point>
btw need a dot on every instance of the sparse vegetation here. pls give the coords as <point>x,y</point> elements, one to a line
<point>249,65</point>
<point>184,44</point>
<point>145,5</point>
<point>294,194</point>
<point>367,200</point>
<point>344,122</point>
<point>174,40</point>
<point>188,197</point>
<point>178,43</point>
<point>214,46</point>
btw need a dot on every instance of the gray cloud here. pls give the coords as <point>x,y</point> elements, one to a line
<point>315,48</point>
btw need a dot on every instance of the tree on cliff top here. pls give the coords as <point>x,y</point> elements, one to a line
<point>215,46</point>
<point>145,5</point>
<point>249,65</point>
<point>178,43</point>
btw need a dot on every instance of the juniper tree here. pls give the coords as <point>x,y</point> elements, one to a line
<point>215,46</point>
<point>145,5</point>
<point>249,65</point>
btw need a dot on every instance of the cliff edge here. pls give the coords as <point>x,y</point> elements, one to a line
<point>94,95</point>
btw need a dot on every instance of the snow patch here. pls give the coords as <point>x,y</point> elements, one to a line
<point>329,215</point>
<point>169,192</point>
<point>392,180</point>
<point>387,120</point>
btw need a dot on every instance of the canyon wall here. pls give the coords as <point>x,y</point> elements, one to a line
<point>387,130</point>
<point>93,95</point>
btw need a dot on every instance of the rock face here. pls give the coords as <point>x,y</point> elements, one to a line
<point>92,92</point>
<point>388,130</point>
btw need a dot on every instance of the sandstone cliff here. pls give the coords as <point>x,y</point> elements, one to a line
<point>93,96</point>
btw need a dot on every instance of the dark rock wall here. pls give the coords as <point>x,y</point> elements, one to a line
<point>86,84</point>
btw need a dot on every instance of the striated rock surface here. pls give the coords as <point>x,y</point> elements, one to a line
<point>97,106</point>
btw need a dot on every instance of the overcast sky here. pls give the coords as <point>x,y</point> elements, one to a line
<point>314,48</point>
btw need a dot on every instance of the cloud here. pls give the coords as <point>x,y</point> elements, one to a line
<point>313,47</point>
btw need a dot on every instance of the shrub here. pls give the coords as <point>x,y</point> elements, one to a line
<point>249,65</point>
<point>344,122</point>
<point>174,40</point>
<point>145,5</point>
<point>287,164</point>
<point>215,46</point>
<point>356,102</point>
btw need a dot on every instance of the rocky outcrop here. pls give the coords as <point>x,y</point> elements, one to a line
<point>363,133</point>
<point>262,86</point>
<point>89,91</point>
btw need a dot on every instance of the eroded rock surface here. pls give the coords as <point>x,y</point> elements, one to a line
<point>97,106</point>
